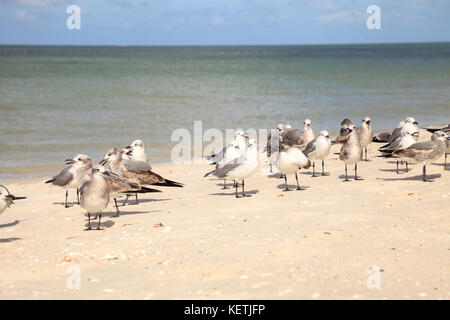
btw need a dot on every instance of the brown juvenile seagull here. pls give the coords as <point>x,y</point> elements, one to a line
<point>143,177</point>
<point>426,151</point>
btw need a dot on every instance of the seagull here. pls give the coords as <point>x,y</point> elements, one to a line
<point>118,186</point>
<point>95,194</point>
<point>291,160</point>
<point>409,122</point>
<point>73,176</point>
<point>146,177</point>
<point>274,143</point>
<point>7,199</point>
<point>239,169</point>
<point>351,151</point>
<point>447,150</point>
<point>345,124</point>
<point>318,149</point>
<point>138,157</point>
<point>426,151</point>
<point>407,139</point>
<point>365,134</point>
<point>235,149</point>
<point>297,137</point>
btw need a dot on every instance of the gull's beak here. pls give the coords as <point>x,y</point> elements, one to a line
<point>416,134</point>
<point>415,122</point>
<point>129,153</point>
<point>103,162</point>
<point>69,161</point>
<point>128,147</point>
<point>368,122</point>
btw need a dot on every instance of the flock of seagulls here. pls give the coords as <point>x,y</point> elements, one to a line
<point>291,150</point>
<point>120,172</point>
<point>127,171</point>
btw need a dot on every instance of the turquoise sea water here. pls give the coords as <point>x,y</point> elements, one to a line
<point>56,102</point>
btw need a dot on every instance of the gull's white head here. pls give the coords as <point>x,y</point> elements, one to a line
<point>366,120</point>
<point>112,155</point>
<point>439,136</point>
<point>410,120</point>
<point>307,122</point>
<point>288,127</point>
<point>138,144</point>
<point>325,134</point>
<point>280,127</point>
<point>80,160</point>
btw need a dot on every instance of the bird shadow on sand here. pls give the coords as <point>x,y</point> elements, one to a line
<point>274,176</point>
<point>291,186</point>
<point>124,213</point>
<point>105,224</point>
<point>9,240</point>
<point>446,168</point>
<point>351,177</point>
<point>233,193</point>
<point>70,204</point>
<point>11,224</point>
<point>400,170</point>
<point>132,202</point>
<point>412,178</point>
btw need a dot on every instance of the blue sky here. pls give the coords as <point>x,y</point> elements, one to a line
<point>222,22</point>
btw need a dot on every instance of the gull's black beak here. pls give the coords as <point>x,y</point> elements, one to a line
<point>69,161</point>
<point>129,153</point>
<point>416,134</point>
<point>103,162</point>
<point>128,147</point>
<point>110,174</point>
<point>415,122</point>
<point>368,122</point>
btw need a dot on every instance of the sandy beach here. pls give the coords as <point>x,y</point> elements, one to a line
<point>200,242</point>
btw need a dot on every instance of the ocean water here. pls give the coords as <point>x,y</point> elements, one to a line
<point>56,102</point>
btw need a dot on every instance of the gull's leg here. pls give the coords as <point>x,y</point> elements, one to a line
<point>270,167</point>
<point>285,182</point>
<point>126,200</point>
<point>236,192</point>
<point>323,167</point>
<point>365,151</point>
<point>314,169</point>
<point>346,175</point>
<point>225,184</point>
<point>137,201</point>
<point>243,192</point>
<point>406,163</point>
<point>89,223</point>
<point>356,172</point>
<point>298,186</point>
<point>99,218</point>
<point>445,160</point>
<point>117,209</point>
<point>424,178</point>
<point>78,196</point>
<point>67,193</point>
<point>397,168</point>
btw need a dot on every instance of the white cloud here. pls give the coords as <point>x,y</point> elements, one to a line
<point>325,5</point>
<point>36,3</point>
<point>347,16</point>
<point>22,15</point>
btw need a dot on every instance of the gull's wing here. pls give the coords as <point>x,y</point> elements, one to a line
<point>63,178</point>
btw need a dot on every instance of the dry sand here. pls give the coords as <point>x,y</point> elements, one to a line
<point>310,244</point>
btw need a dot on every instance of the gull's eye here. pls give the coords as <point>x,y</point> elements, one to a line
<point>79,159</point>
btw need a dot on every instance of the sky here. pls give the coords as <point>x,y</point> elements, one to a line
<point>222,22</point>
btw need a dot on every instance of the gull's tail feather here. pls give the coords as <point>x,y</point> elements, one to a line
<point>168,183</point>
<point>209,173</point>
<point>143,190</point>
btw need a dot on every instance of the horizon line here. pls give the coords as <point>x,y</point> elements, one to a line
<point>222,45</point>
